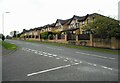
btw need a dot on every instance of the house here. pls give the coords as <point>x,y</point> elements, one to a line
<point>68,29</point>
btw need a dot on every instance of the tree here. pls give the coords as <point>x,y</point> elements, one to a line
<point>104,26</point>
<point>8,37</point>
<point>3,37</point>
<point>14,35</point>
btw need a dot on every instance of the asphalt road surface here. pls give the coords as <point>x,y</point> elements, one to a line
<point>40,62</point>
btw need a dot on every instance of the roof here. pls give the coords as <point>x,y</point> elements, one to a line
<point>62,21</point>
<point>80,18</point>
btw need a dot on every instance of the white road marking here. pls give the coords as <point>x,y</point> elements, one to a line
<point>57,58</point>
<point>94,65</point>
<point>110,68</point>
<point>75,60</point>
<point>36,52</point>
<point>48,70</point>
<point>104,67</point>
<point>44,52</point>
<point>54,55</point>
<point>90,63</point>
<point>76,63</point>
<point>50,56</point>
<point>80,62</point>
<point>95,55</point>
<point>111,58</point>
<point>65,60</point>
<point>61,57</point>
<point>45,55</point>
<point>40,53</point>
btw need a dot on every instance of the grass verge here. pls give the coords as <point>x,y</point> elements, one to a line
<point>8,46</point>
<point>103,50</point>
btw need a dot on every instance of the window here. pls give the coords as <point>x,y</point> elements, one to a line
<point>88,21</point>
<point>77,25</point>
<point>71,26</point>
<point>73,31</point>
<point>83,23</point>
<point>83,32</point>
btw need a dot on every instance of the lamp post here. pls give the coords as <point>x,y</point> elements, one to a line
<point>3,21</point>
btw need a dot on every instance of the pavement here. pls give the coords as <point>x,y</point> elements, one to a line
<point>41,62</point>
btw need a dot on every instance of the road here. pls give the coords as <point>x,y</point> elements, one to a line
<point>41,62</point>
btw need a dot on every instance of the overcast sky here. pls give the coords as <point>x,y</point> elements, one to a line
<point>26,14</point>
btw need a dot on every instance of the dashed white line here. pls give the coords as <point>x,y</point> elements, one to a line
<point>90,63</point>
<point>75,60</point>
<point>57,58</point>
<point>65,60</point>
<point>48,70</point>
<point>94,65</point>
<point>54,55</point>
<point>76,63</point>
<point>50,56</point>
<point>80,62</point>
<point>111,58</point>
<point>94,55</point>
<point>45,55</point>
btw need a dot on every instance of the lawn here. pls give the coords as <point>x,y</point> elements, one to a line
<point>103,50</point>
<point>8,46</point>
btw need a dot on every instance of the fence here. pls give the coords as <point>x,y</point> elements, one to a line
<point>83,37</point>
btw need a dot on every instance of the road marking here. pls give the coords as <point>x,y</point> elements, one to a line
<point>54,55</point>
<point>36,52</point>
<point>65,60</point>
<point>50,56</point>
<point>111,58</point>
<point>57,58</point>
<point>94,65</point>
<point>90,63</point>
<point>95,55</point>
<point>76,63</point>
<point>80,62</point>
<point>48,70</point>
<point>61,57</point>
<point>110,68</point>
<point>75,60</point>
<point>106,67</point>
<point>40,53</point>
<point>45,55</point>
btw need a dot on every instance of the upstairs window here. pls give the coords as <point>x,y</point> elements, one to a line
<point>77,25</point>
<point>88,21</point>
<point>83,22</point>
<point>71,26</point>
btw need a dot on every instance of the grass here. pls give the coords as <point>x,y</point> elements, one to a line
<point>8,46</point>
<point>103,50</point>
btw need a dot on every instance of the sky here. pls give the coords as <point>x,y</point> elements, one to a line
<point>26,14</point>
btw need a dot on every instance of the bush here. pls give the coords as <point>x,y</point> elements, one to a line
<point>50,36</point>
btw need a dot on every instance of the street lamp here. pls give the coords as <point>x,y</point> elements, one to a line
<point>3,21</point>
